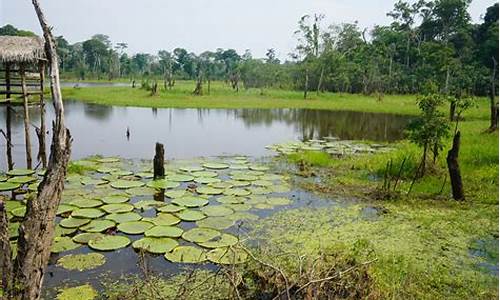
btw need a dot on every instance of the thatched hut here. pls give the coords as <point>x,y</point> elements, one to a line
<point>23,69</point>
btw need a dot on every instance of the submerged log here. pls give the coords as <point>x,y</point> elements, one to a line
<point>454,169</point>
<point>158,162</point>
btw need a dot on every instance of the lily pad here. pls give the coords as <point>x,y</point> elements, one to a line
<point>145,175</point>
<point>190,201</point>
<point>191,168</point>
<point>165,219</point>
<point>186,254</point>
<point>63,243</point>
<point>258,168</point>
<point>82,292</point>
<point>108,160</point>
<point>147,204</point>
<point>171,208</point>
<point>89,213</point>
<point>217,211</point>
<point>92,181</point>
<point>263,206</point>
<point>65,208</point>
<point>244,177</point>
<point>236,192</point>
<point>134,227</point>
<point>20,172</point>
<point>126,184</point>
<point>175,194</point>
<point>162,184</point>
<point>73,222</point>
<point>239,206</point>
<point>231,199</point>
<point>207,180</point>
<point>239,183</point>
<point>117,208</point>
<point>19,212</point>
<point>221,185</point>
<point>191,215</point>
<point>140,191</point>
<point>263,183</point>
<point>109,242</point>
<point>98,226</point>
<point>219,223</point>
<point>204,174</point>
<point>200,234</point>
<point>208,190</point>
<point>216,166</point>
<point>113,199</point>
<point>179,178</point>
<point>22,179</point>
<point>86,203</point>
<point>61,231</point>
<point>164,231</point>
<point>243,216</point>
<point>227,255</point>
<point>8,186</point>
<point>123,217</point>
<point>84,238</point>
<point>224,240</point>
<point>155,245</point>
<point>81,262</point>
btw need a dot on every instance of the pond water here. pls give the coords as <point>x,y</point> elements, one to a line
<point>187,133</point>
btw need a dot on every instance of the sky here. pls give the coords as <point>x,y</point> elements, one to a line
<point>198,25</point>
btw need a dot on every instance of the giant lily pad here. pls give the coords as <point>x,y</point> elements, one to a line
<point>22,179</point>
<point>204,174</point>
<point>208,190</point>
<point>186,254</point>
<point>162,184</point>
<point>108,159</point>
<point>8,186</point>
<point>73,222</point>
<point>244,177</point>
<point>134,227</point>
<point>179,178</point>
<point>200,234</point>
<point>164,231</point>
<point>123,217</point>
<point>126,184</point>
<point>140,191</point>
<point>280,188</point>
<point>92,181</point>
<point>191,168</point>
<point>117,208</point>
<point>147,204</point>
<point>19,212</point>
<point>84,238</point>
<point>86,203</point>
<point>170,208</point>
<point>227,255</point>
<point>224,240</point>
<point>113,199</point>
<point>98,226</point>
<point>236,192</point>
<point>190,201</point>
<point>82,292</point>
<point>216,166</point>
<point>191,215</point>
<point>20,172</point>
<point>216,211</point>
<point>109,242</point>
<point>219,223</point>
<point>63,243</point>
<point>175,194</point>
<point>65,208</point>
<point>258,168</point>
<point>231,199</point>
<point>239,206</point>
<point>62,231</point>
<point>221,185</point>
<point>207,180</point>
<point>164,219</point>
<point>81,262</point>
<point>89,213</point>
<point>263,183</point>
<point>155,245</point>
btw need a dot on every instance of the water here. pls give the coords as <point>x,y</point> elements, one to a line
<point>187,133</point>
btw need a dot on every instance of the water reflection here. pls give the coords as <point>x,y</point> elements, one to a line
<point>131,132</point>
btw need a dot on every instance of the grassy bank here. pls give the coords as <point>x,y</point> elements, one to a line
<point>222,96</point>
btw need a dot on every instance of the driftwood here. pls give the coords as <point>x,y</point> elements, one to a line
<point>454,169</point>
<point>158,162</point>
<point>24,278</point>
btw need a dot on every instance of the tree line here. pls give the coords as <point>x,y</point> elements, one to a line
<point>427,41</point>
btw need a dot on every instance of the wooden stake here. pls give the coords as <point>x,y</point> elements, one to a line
<point>27,139</point>
<point>158,162</point>
<point>42,155</point>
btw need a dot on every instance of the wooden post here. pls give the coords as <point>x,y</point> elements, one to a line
<point>8,126</point>
<point>7,82</point>
<point>454,169</point>
<point>27,139</point>
<point>41,132</point>
<point>158,162</point>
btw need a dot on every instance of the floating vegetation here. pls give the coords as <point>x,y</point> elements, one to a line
<point>191,215</point>
<point>89,213</point>
<point>227,255</point>
<point>126,184</point>
<point>190,201</point>
<point>224,240</point>
<point>109,242</point>
<point>186,254</point>
<point>63,243</point>
<point>164,231</point>
<point>82,292</point>
<point>155,245</point>
<point>134,227</point>
<point>98,226</point>
<point>330,145</point>
<point>123,217</point>
<point>81,262</point>
<point>20,172</point>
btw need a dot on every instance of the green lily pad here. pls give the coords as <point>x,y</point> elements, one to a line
<point>98,226</point>
<point>162,184</point>
<point>108,160</point>
<point>61,231</point>
<point>280,188</point>
<point>186,254</point>
<point>263,183</point>
<point>219,223</point>
<point>239,206</point>
<point>82,292</point>
<point>22,179</point>
<point>126,184</point>
<point>140,191</point>
<point>20,172</point>
<point>171,208</point>
<point>121,173</point>
<point>8,186</point>
<point>63,243</point>
<point>134,227</point>
<point>179,178</point>
<point>86,203</point>
<point>73,222</point>
<point>256,199</point>
<point>271,177</point>
<point>164,231</point>
<point>207,180</point>
<point>109,242</point>
<point>148,204</point>
<point>190,201</point>
<point>145,175</point>
<point>14,229</point>
<point>243,216</point>
<point>105,170</point>
<point>117,208</point>
<point>123,217</point>
<point>65,208</point>
<point>191,215</point>
<point>81,262</point>
<point>260,190</point>
<point>164,219</point>
<point>191,168</point>
<point>84,238</point>
<point>244,177</point>
<point>216,166</point>
<point>279,201</point>
<point>12,204</point>
<point>238,167</point>
<point>113,199</point>
<point>224,240</point>
<point>200,234</point>
<point>236,192</point>
<point>258,168</point>
<point>175,194</point>
<point>92,181</point>
<point>217,211</point>
<point>89,213</point>
<point>238,183</point>
<point>155,245</point>
<point>204,174</point>
<point>3,178</point>
<point>227,255</point>
<point>231,199</point>
<point>221,185</point>
<point>19,212</point>
<point>208,190</point>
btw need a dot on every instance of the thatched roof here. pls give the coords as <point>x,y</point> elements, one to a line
<point>19,49</point>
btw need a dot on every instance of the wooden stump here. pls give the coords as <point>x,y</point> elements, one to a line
<point>158,162</point>
<point>454,169</point>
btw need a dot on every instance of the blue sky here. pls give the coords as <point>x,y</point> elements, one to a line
<point>198,25</point>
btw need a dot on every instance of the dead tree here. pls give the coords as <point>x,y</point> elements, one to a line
<point>159,162</point>
<point>454,169</point>
<point>24,278</point>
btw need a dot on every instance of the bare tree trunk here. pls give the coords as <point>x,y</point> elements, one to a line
<point>37,230</point>
<point>320,82</point>
<point>42,155</point>
<point>493,102</point>
<point>159,162</point>
<point>27,139</point>
<point>306,83</point>
<point>454,169</point>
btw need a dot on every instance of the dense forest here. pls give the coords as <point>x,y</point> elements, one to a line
<point>427,41</point>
